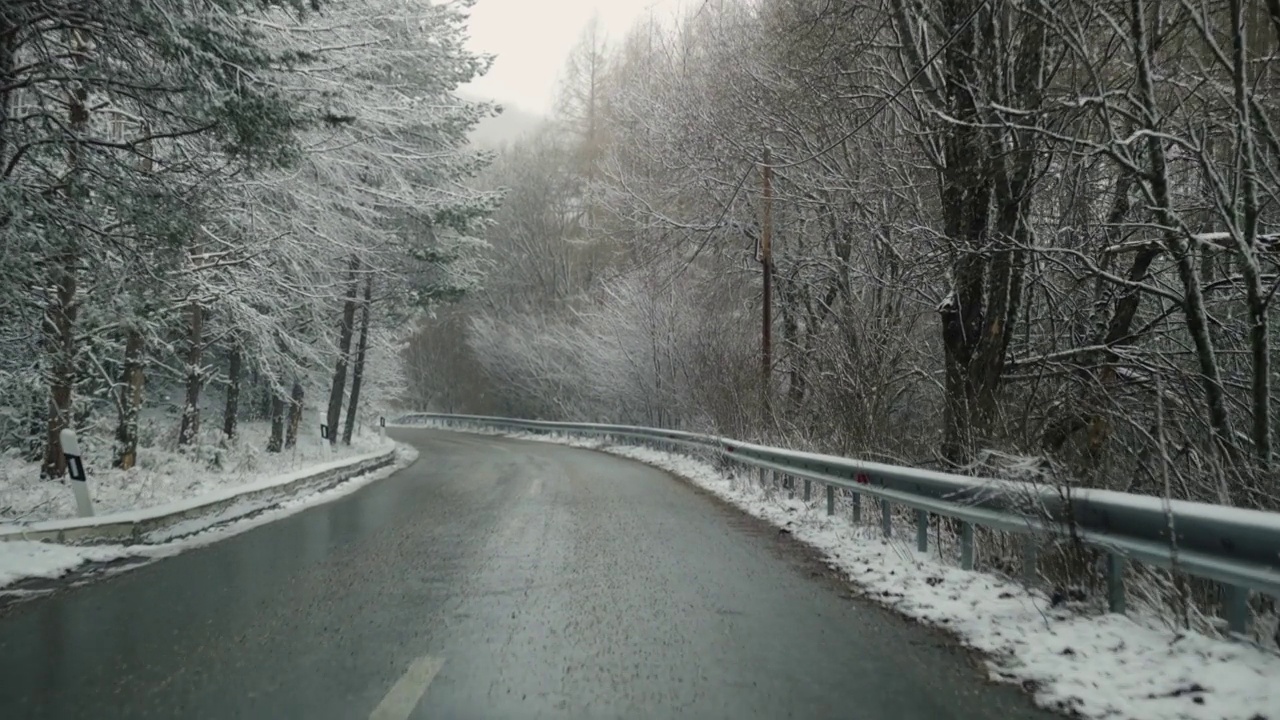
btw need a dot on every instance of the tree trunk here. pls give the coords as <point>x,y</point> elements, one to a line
<point>1258,297</point>
<point>37,427</point>
<point>130,401</point>
<point>345,330</point>
<point>984,170</point>
<point>1122,305</point>
<point>276,442</point>
<point>59,319</point>
<point>60,309</point>
<point>8,54</point>
<point>357,374</point>
<point>295,414</point>
<point>966,195</point>
<point>262,395</point>
<point>232,408</point>
<point>1160,195</point>
<point>190,427</point>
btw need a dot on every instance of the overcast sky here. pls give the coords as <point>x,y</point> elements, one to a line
<point>532,39</point>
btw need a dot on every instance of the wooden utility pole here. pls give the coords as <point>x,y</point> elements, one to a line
<point>766,264</point>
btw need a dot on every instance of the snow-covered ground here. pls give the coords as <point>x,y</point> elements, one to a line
<point>22,560</point>
<point>165,476</point>
<point>1086,664</point>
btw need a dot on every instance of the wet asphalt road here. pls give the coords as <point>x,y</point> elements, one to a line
<point>541,582</point>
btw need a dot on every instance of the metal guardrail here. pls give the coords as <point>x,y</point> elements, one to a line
<point>1236,547</point>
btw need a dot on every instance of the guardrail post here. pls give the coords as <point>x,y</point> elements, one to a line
<point>966,545</point>
<point>1236,605</point>
<point>922,531</point>
<point>831,500</point>
<point>807,489</point>
<point>886,518</point>
<point>1030,560</point>
<point>1115,582</point>
<point>763,482</point>
<point>856,502</point>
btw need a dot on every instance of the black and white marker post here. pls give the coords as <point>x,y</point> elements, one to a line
<point>324,437</point>
<point>382,425</point>
<point>75,470</point>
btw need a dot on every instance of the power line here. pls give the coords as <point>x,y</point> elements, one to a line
<point>724,211</point>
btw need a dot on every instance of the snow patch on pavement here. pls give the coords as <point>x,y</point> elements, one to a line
<point>1111,667</point>
<point>21,559</point>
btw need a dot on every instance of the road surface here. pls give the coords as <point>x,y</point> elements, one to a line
<point>494,578</point>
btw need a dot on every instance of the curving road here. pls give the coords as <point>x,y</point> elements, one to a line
<point>494,578</point>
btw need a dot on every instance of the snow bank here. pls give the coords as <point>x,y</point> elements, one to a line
<point>164,477</point>
<point>213,529</point>
<point>1097,666</point>
<point>21,559</point>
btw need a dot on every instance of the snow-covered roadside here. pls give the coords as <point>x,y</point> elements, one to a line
<point>20,560</point>
<point>1096,666</point>
<point>164,476</point>
<point>23,560</point>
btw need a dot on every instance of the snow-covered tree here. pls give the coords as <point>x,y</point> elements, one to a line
<point>193,193</point>
<point>1033,228</point>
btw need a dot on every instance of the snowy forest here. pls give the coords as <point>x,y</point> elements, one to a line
<point>993,236</point>
<point>244,200</point>
<point>980,235</point>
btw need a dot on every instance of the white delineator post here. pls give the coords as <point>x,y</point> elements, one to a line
<point>75,470</point>
<point>325,430</point>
